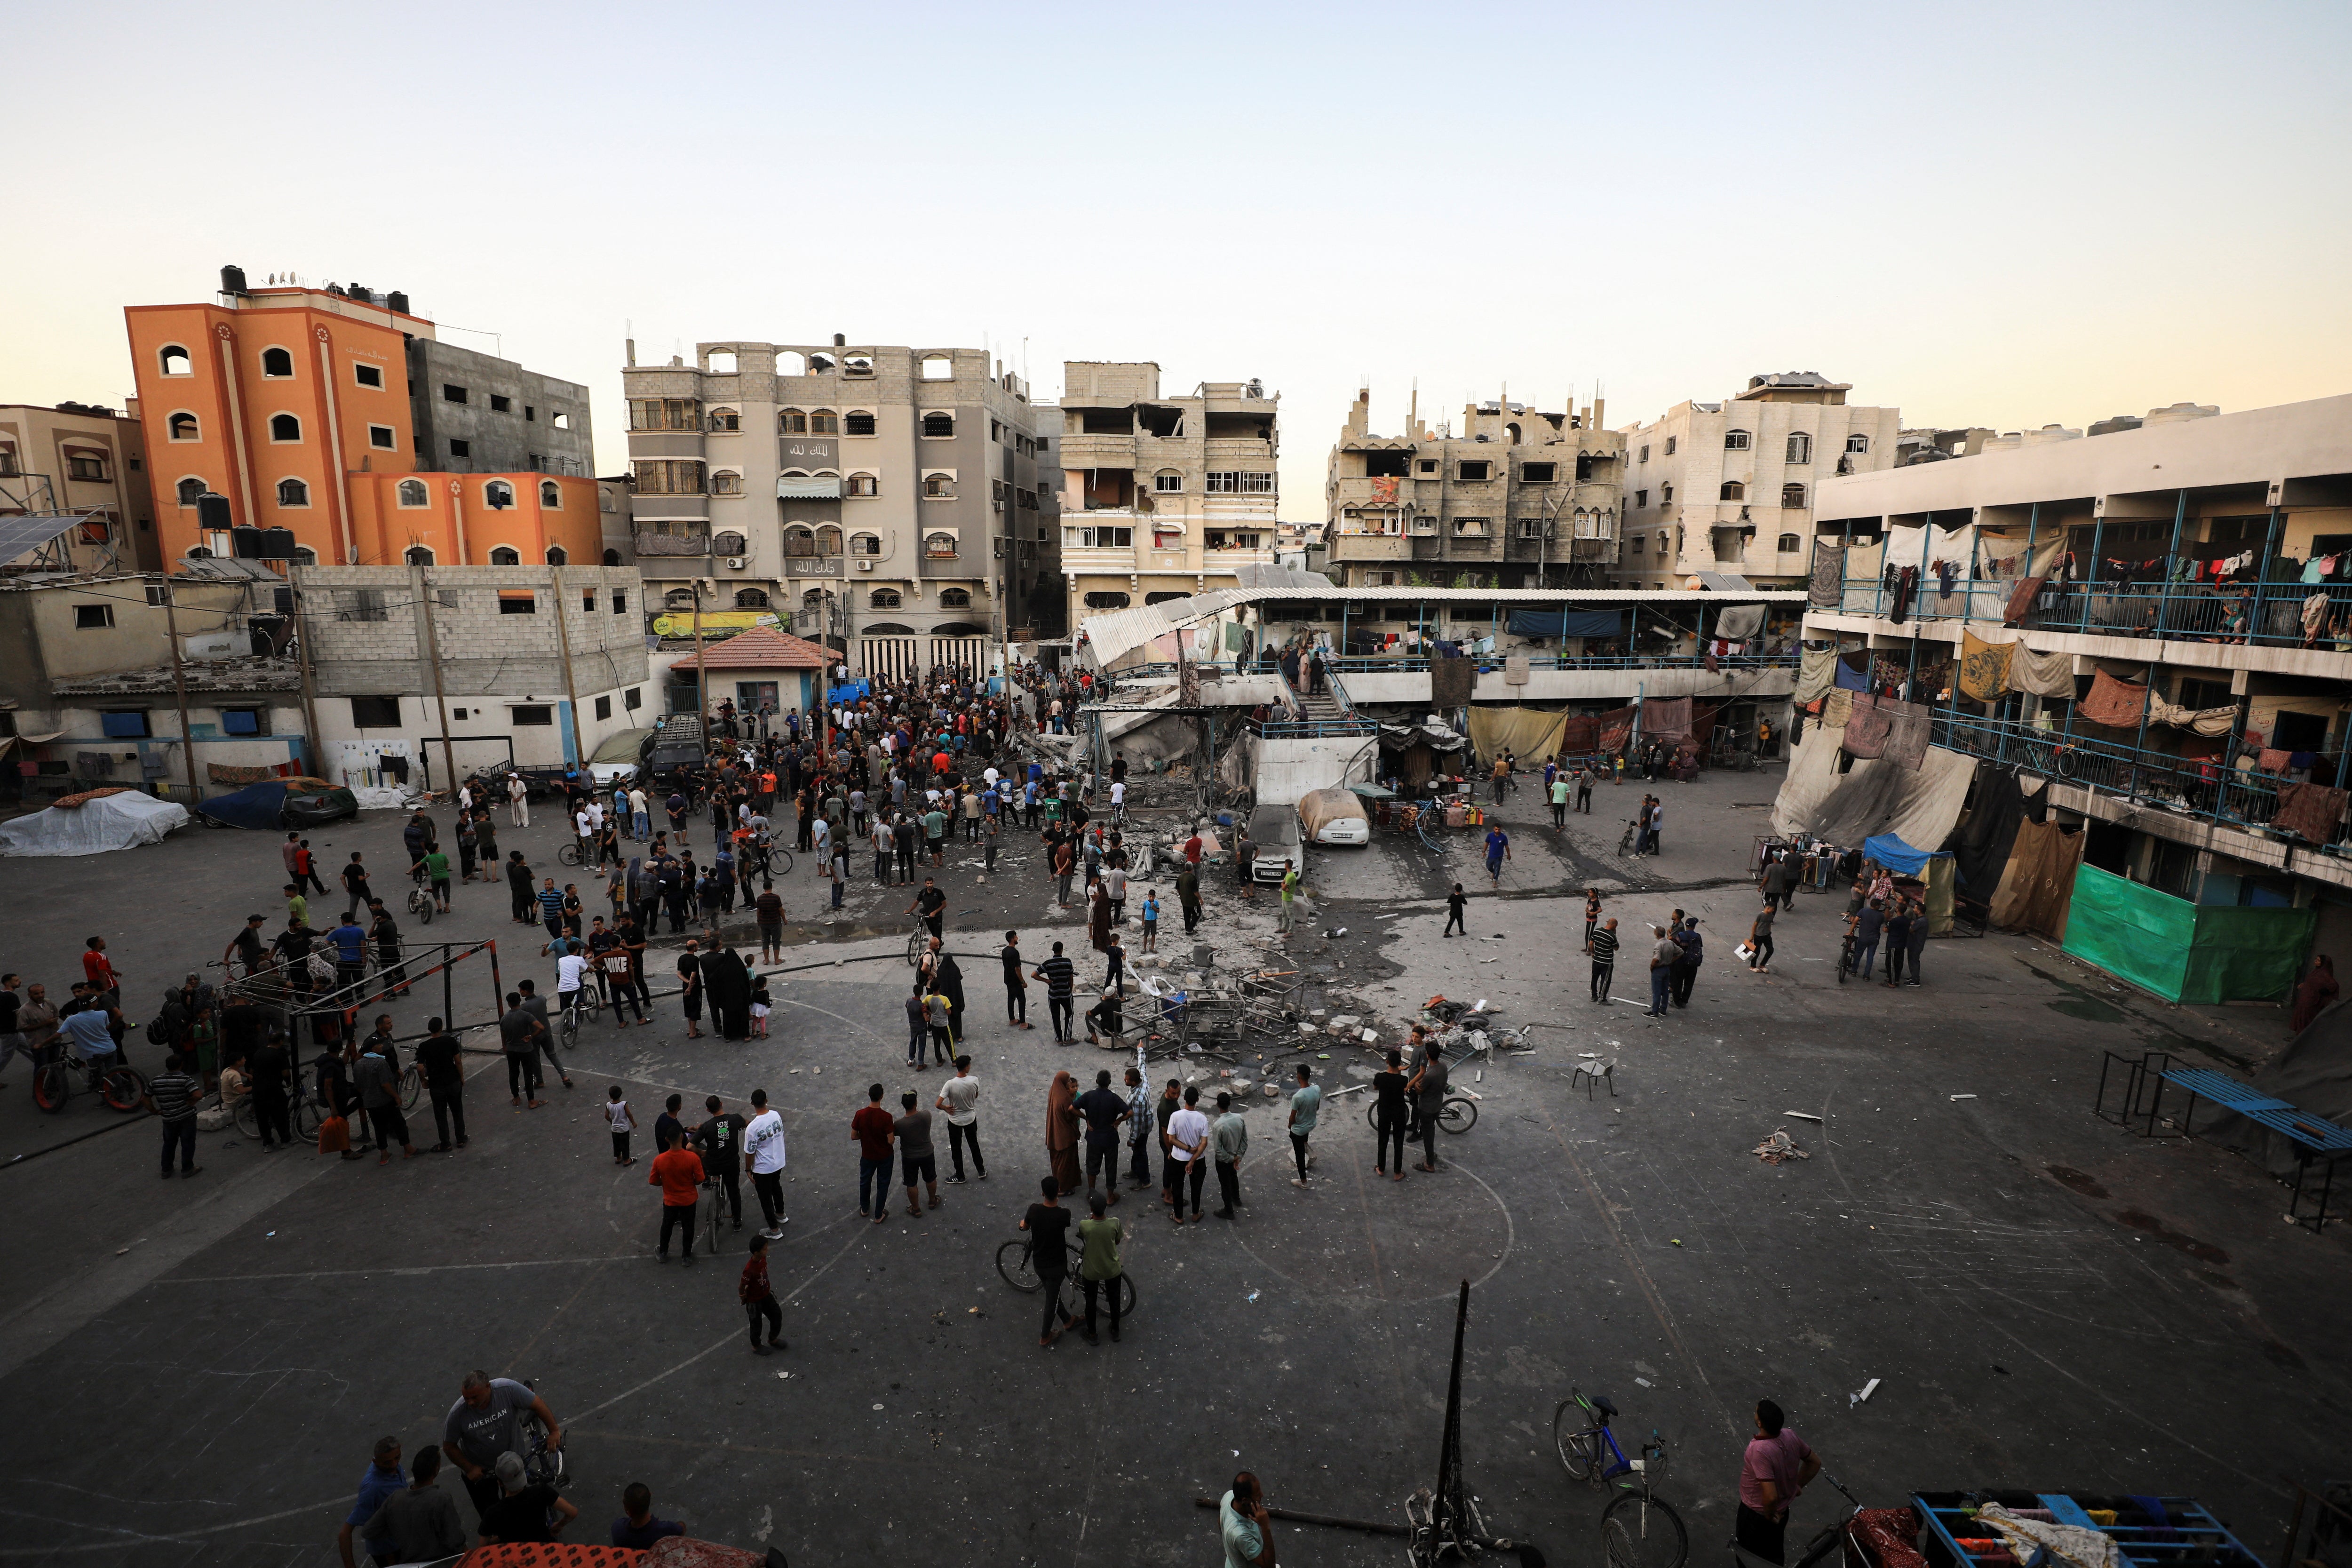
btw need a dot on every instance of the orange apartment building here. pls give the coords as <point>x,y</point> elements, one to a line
<point>293,403</point>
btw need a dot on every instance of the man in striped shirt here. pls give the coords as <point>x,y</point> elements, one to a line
<point>1604,958</point>
<point>172,1096</point>
<point>551,909</point>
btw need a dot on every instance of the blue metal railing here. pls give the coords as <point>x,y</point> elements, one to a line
<point>1402,664</point>
<point>2270,614</point>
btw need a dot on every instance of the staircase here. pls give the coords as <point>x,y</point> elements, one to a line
<point>1321,708</point>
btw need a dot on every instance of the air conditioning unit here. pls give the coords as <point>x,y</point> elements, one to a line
<point>736,562</point>
<point>866,566</point>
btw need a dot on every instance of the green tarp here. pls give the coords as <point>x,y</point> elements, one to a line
<point>2184,952</point>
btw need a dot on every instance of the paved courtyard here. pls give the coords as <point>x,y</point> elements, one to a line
<point>198,1368</point>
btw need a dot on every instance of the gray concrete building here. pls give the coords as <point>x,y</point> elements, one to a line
<point>476,413</point>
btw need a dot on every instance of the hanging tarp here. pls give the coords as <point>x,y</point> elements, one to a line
<point>2208,721</point>
<point>1984,668</point>
<point>2119,704</point>
<point>1940,878</point>
<point>2043,674</point>
<point>1866,728</point>
<point>1616,729</point>
<point>1981,844</point>
<point>1870,797</point>
<point>1666,719</point>
<point>1827,582</point>
<point>2309,811</point>
<point>2314,1074</point>
<point>2037,887</point>
<point>2204,953</point>
<point>1816,672</point>
<point>1852,670</point>
<point>1738,623</point>
<point>1837,708</point>
<point>1451,682</point>
<point>1907,732</point>
<point>1568,621</point>
<point>1890,851</point>
<point>1524,732</point>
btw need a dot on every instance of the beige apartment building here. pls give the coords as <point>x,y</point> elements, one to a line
<point>88,462</point>
<point>886,501</point>
<point>1730,487</point>
<point>1520,499</point>
<point>1161,497</point>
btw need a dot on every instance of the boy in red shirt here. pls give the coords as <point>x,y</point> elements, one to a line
<point>678,1173</point>
<point>759,1299</point>
<point>872,1129</point>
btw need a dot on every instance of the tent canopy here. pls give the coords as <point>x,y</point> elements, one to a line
<point>1918,805</point>
<point>119,821</point>
<point>1568,621</point>
<point>1889,850</point>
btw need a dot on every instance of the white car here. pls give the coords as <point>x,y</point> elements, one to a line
<point>1274,842</point>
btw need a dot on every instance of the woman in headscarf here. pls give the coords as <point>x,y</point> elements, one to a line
<point>1098,917</point>
<point>2311,997</point>
<point>727,983</point>
<point>1062,1130</point>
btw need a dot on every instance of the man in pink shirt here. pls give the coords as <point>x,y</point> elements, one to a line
<point>1771,1477</point>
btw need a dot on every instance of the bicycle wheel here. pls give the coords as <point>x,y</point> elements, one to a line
<point>1372,1116</point>
<point>122,1088</point>
<point>1012,1262</point>
<point>1845,961</point>
<point>1459,1116</point>
<point>1426,825</point>
<point>1579,1446</point>
<point>424,910</point>
<point>1640,1531</point>
<point>712,1195</point>
<point>308,1114</point>
<point>915,940</point>
<point>570,853</point>
<point>411,1086</point>
<point>570,1028</point>
<point>52,1088</point>
<point>249,1121</point>
<point>780,862</point>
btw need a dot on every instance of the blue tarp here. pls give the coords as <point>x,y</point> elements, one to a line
<point>854,691</point>
<point>1854,672</point>
<point>1567,622</point>
<point>1896,856</point>
<point>255,805</point>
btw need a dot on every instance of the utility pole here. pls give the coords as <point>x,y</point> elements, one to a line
<point>422,592</point>
<point>180,688</point>
<point>302,652</point>
<point>701,676</point>
<point>564,647</point>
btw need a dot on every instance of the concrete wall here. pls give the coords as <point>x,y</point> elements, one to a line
<point>500,441</point>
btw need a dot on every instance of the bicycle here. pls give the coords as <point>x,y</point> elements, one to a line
<point>1013,1261</point>
<point>1458,1115</point>
<point>774,861</point>
<point>303,1112</point>
<point>1638,1530</point>
<point>421,905</point>
<point>1845,955</point>
<point>567,1024</point>
<point>713,1196</point>
<point>541,1465</point>
<point>1625,842</point>
<point>918,941</point>
<point>1832,1536</point>
<point>119,1086</point>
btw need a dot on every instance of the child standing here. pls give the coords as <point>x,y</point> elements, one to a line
<point>1591,915</point>
<point>759,1297</point>
<point>1150,919</point>
<point>760,1007</point>
<point>616,1116</point>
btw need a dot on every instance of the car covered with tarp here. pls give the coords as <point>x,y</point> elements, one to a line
<point>92,822</point>
<point>281,803</point>
<point>1335,816</point>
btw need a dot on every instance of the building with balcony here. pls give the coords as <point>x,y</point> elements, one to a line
<point>1731,487</point>
<point>1520,499</point>
<point>1161,497</point>
<point>887,501</point>
<point>86,462</point>
<point>295,407</point>
<point>2155,620</point>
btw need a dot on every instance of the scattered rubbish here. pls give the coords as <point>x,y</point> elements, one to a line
<point>1801,1115</point>
<point>973,1310</point>
<point>1478,1076</point>
<point>1273,1091</point>
<point>1252,1295</point>
<point>1779,1147</point>
<point>878,1407</point>
<point>1645,1382</point>
<point>1676,1240</point>
<point>266,1237</point>
<point>1864,1398</point>
<point>2001,1369</point>
<point>782,1375</point>
<point>1388,917</point>
<point>1322,1055</point>
<point>1964,1097</point>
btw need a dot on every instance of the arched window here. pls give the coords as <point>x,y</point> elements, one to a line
<point>861,484</point>
<point>938,367</point>
<point>883,599</point>
<point>1788,544</point>
<point>198,553</point>
<point>828,540</point>
<point>1161,598</point>
<point>1735,440</point>
<point>679,599</point>
<point>728,543</point>
<point>551,495</point>
<point>940,546</point>
<point>791,364</point>
<point>497,495</point>
<point>1793,495</point>
<point>417,555</point>
<point>305,556</point>
<point>725,419</point>
<point>721,362</point>
<point>191,491</point>
<point>886,629</point>
<point>558,556</point>
<point>726,482</point>
<point>1732,490</point>
<point>285,427</point>
<point>793,422</point>
<point>505,556</point>
<point>173,360</point>
<point>277,364</point>
<point>939,487</point>
<point>1857,442</point>
<point>612,558</point>
<point>939,423</point>
<point>799,539</point>
<point>183,426</point>
<point>857,422</point>
<point>813,600</point>
<point>857,364</point>
<point>1513,432</point>
<point>865,544</point>
<point>955,598</point>
<point>752,599</point>
<point>1800,448</point>
<point>1106,601</point>
<point>820,364</point>
<point>293,492</point>
<point>413,493</point>
<point>823,422</point>
<point>1665,494</point>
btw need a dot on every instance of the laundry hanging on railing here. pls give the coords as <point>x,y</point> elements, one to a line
<point>1837,710</point>
<point>2042,674</point>
<point>1852,672</point>
<point>1738,623</point>
<point>1907,732</point>
<point>1827,585</point>
<point>1816,673</point>
<point>2309,811</point>
<point>2119,704</point>
<point>2203,721</point>
<point>1984,668</point>
<point>1866,728</point>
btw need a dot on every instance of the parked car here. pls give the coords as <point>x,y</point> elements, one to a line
<point>675,742</point>
<point>1334,816</point>
<point>1275,843</point>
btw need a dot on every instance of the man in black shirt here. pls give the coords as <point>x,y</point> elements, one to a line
<point>689,991</point>
<point>355,883</point>
<point>1389,1087</point>
<point>929,904</point>
<point>1456,903</point>
<point>437,1058</point>
<point>1048,1225</point>
<point>720,1143</point>
<point>1059,976</point>
<point>1016,988</point>
<point>268,1062</point>
<point>1103,1108</point>
<point>519,1033</point>
<point>246,947</point>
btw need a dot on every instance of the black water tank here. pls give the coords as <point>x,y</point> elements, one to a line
<point>357,291</point>
<point>231,280</point>
<point>276,544</point>
<point>244,543</point>
<point>839,341</point>
<point>396,300</point>
<point>212,512</point>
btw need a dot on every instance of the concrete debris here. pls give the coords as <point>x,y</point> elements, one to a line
<point>1779,1147</point>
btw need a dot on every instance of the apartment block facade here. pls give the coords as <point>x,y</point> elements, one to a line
<point>1519,498</point>
<point>887,501</point>
<point>477,413</point>
<point>87,461</point>
<point>1163,497</point>
<point>1731,485</point>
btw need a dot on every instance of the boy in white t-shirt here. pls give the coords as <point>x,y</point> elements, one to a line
<point>616,1117</point>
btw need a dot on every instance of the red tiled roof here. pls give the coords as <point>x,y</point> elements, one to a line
<point>762,647</point>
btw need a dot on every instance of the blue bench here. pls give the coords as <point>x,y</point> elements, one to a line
<point>2312,1136</point>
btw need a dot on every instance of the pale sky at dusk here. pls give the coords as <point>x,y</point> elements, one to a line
<point>2000,214</point>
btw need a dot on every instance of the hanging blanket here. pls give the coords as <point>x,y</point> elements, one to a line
<point>1865,731</point>
<point>232,773</point>
<point>1853,671</point>
<point>1816,672</point>
<point>94,765</point>
<point>2021,600</point>
<point>2309,811</point>
<point>2115,703</point>
<point>2043,674</point>
<point>1667,719</point>
<point>1838,709</point>
<point>1737,622</point>
<point>1451,682</point>
<point>1984,668</point>
<point>1829,575</point>
<point>2203,720</point>
<point>1886,670</point>
<point>1907,732</point>
<point>1616,727</point>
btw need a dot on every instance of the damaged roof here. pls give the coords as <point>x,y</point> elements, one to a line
<point>213,675</point>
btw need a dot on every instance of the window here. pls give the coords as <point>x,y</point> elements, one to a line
<point>551,495</point>
<point>955,598</point>
<point>381,438</point>
<point>532,714</point>
<point>1530,528</point>
<point>865,544</point>
<point>1106,601</point>
<point>559,419</point>
<point>460,449</point>
<point>1665,495</point>
<point>1243,482</point>
<point>93,617</point>
<point>620,605</point>
<point>1788,544</point>
<point>1793,495</point>
<point>726,482</point>
<point>369,376</point>
<point>1732,490</point>
<point>728,543</point>
<point>883,599</point>
<point>861,484</point>
<point>857,422</point>
<point>828,540</point>
<point>375,713</point>
<point>505,555</point>
<point>939,487</point>
<point>665,414</point>
<point>413,493</point>
<point>856,364</point>
<point>1735,440</point>
<point>1646,453</point>
<point>85,465</point>
<point>277,364</point>
<point>417,555</point>
<point>183,427</point>
<point>938,367</point>
<point>752,599</point>
<point>285,427</point>
<point>497,495</point>
<point>604,707</point>
<point>660,478</point>
<point>1476,469</point>
<point>524,603</point>
<point>191,491</point>
<point>1429,464</point>
<point>823,422</point>
<point>1167,481</point>
<point>799,539</point>
<point>725,419</point>
<point>937,425</point>
<point>244,720</point>
<point>1104,537</point>
<point>633,697</point>
<point>1857,442</point>
<point>679,599</point>
<point>124,726</point>
<point>452,394</point>
<point>501,404</point>
<point>559,557</point>
<point>1640,497</point>
<point>293,492</point>
<point>1800,448</point>
<point>174,361</point>
<point>1537,473</point>
<point>1670,444</point>
<point>940,546</point>
<point>1637,544</point>
<point>359,605</point>
<point>793,422</point>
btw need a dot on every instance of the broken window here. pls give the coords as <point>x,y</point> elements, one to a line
<point>659,477</point>
<point>793,422</point>
<point>191,491</point>
<point>501,404</point>
<point>375,713</point>
<point>1105,421</point>
<point>1165,422</point>
<point>1857,442</point>
<point>183,427</point>
<point>1800,448</point>
<point>1476,469</point>
<point>1530,528</point>
<point>1646,452</point>
<point>939,487</point>
<point>173,360</point>
<point>861,484</point>
<point>1470,527</point>
<point>1104,537</point>
<point>413,493</point>
<point>1670,444</point>
<point>938,367</point>
<point>293,492</point>
<point>724,419</point>
<point>1641,499</point>
<point>497,495</point>
<point>726,482</point>
<point>1584,467</point>
<point>1240,481</point>
<point>505,555</point>
<point>1111,490</point>
<point>857,364</point>
<point>1537,473</point>
<point>1388,464</point>
<point>277,363</point>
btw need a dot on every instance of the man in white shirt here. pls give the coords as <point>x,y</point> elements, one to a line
<point>641,822</point>
<point>519,800</point>
<point>1188,1142</point>
<point>583,822</point>
<point>959,1097</point>
<point>1118,800</point>
<point>990,774</point>
<point>763,1147</point>
<point>571,973</point>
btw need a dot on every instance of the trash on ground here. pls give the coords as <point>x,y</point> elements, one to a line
<point>1864,1398</point>
<point>1801,1115</point>
<point>1779,1147</point>
<point>1964,1097</point>
<point>1645,1382</point>
<point>1252,1295</point>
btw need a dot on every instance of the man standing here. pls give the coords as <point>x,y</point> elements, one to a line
<point>1428,1086</point>
<point>1772,1475</point>
<point>518,1033</point>
<point>1229,1142</point>
<point>1457,910</point>
<point>382,1482</point>
<point>355,888</point>
<point>913,1132</point>
<point>1188,1144</point>
<point>1388,1090</point>
<point>1289,894</point>
<point>1776,881</point>
<point>1498,849</point>
<point>1558,801</point>
<point>420,1523</point>
<point>1867,927</point>
<point>1103,1108</point>
<point>1664,953</point>
<point>1048,1225</point>
<point>718,1144</point>
<point>1141,1129</point>
<point>1760,936</point>
<point>438,1059</point>
<point>1243,1527</point>
<point>1916,946</point>
<point>1306,1104</point>
<point>1604,959</point>
<point>872,1129</point>
<point>379,1087</point>
<point>1686,969</point>
<point>519,800</point>
<point>679,1175</point>
<point>171,1097</point>
<point>1188,892</point>
<point>486,1422</point>
<point>763,1146</point>
<point>960,1099</point>
<point>1016,987</point>
<point>1060,976</point>
<point>1584,789</point>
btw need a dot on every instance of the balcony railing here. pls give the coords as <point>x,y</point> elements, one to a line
<point>2268,615</point>
<point>1408,664</point>
<point>650,543</point>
